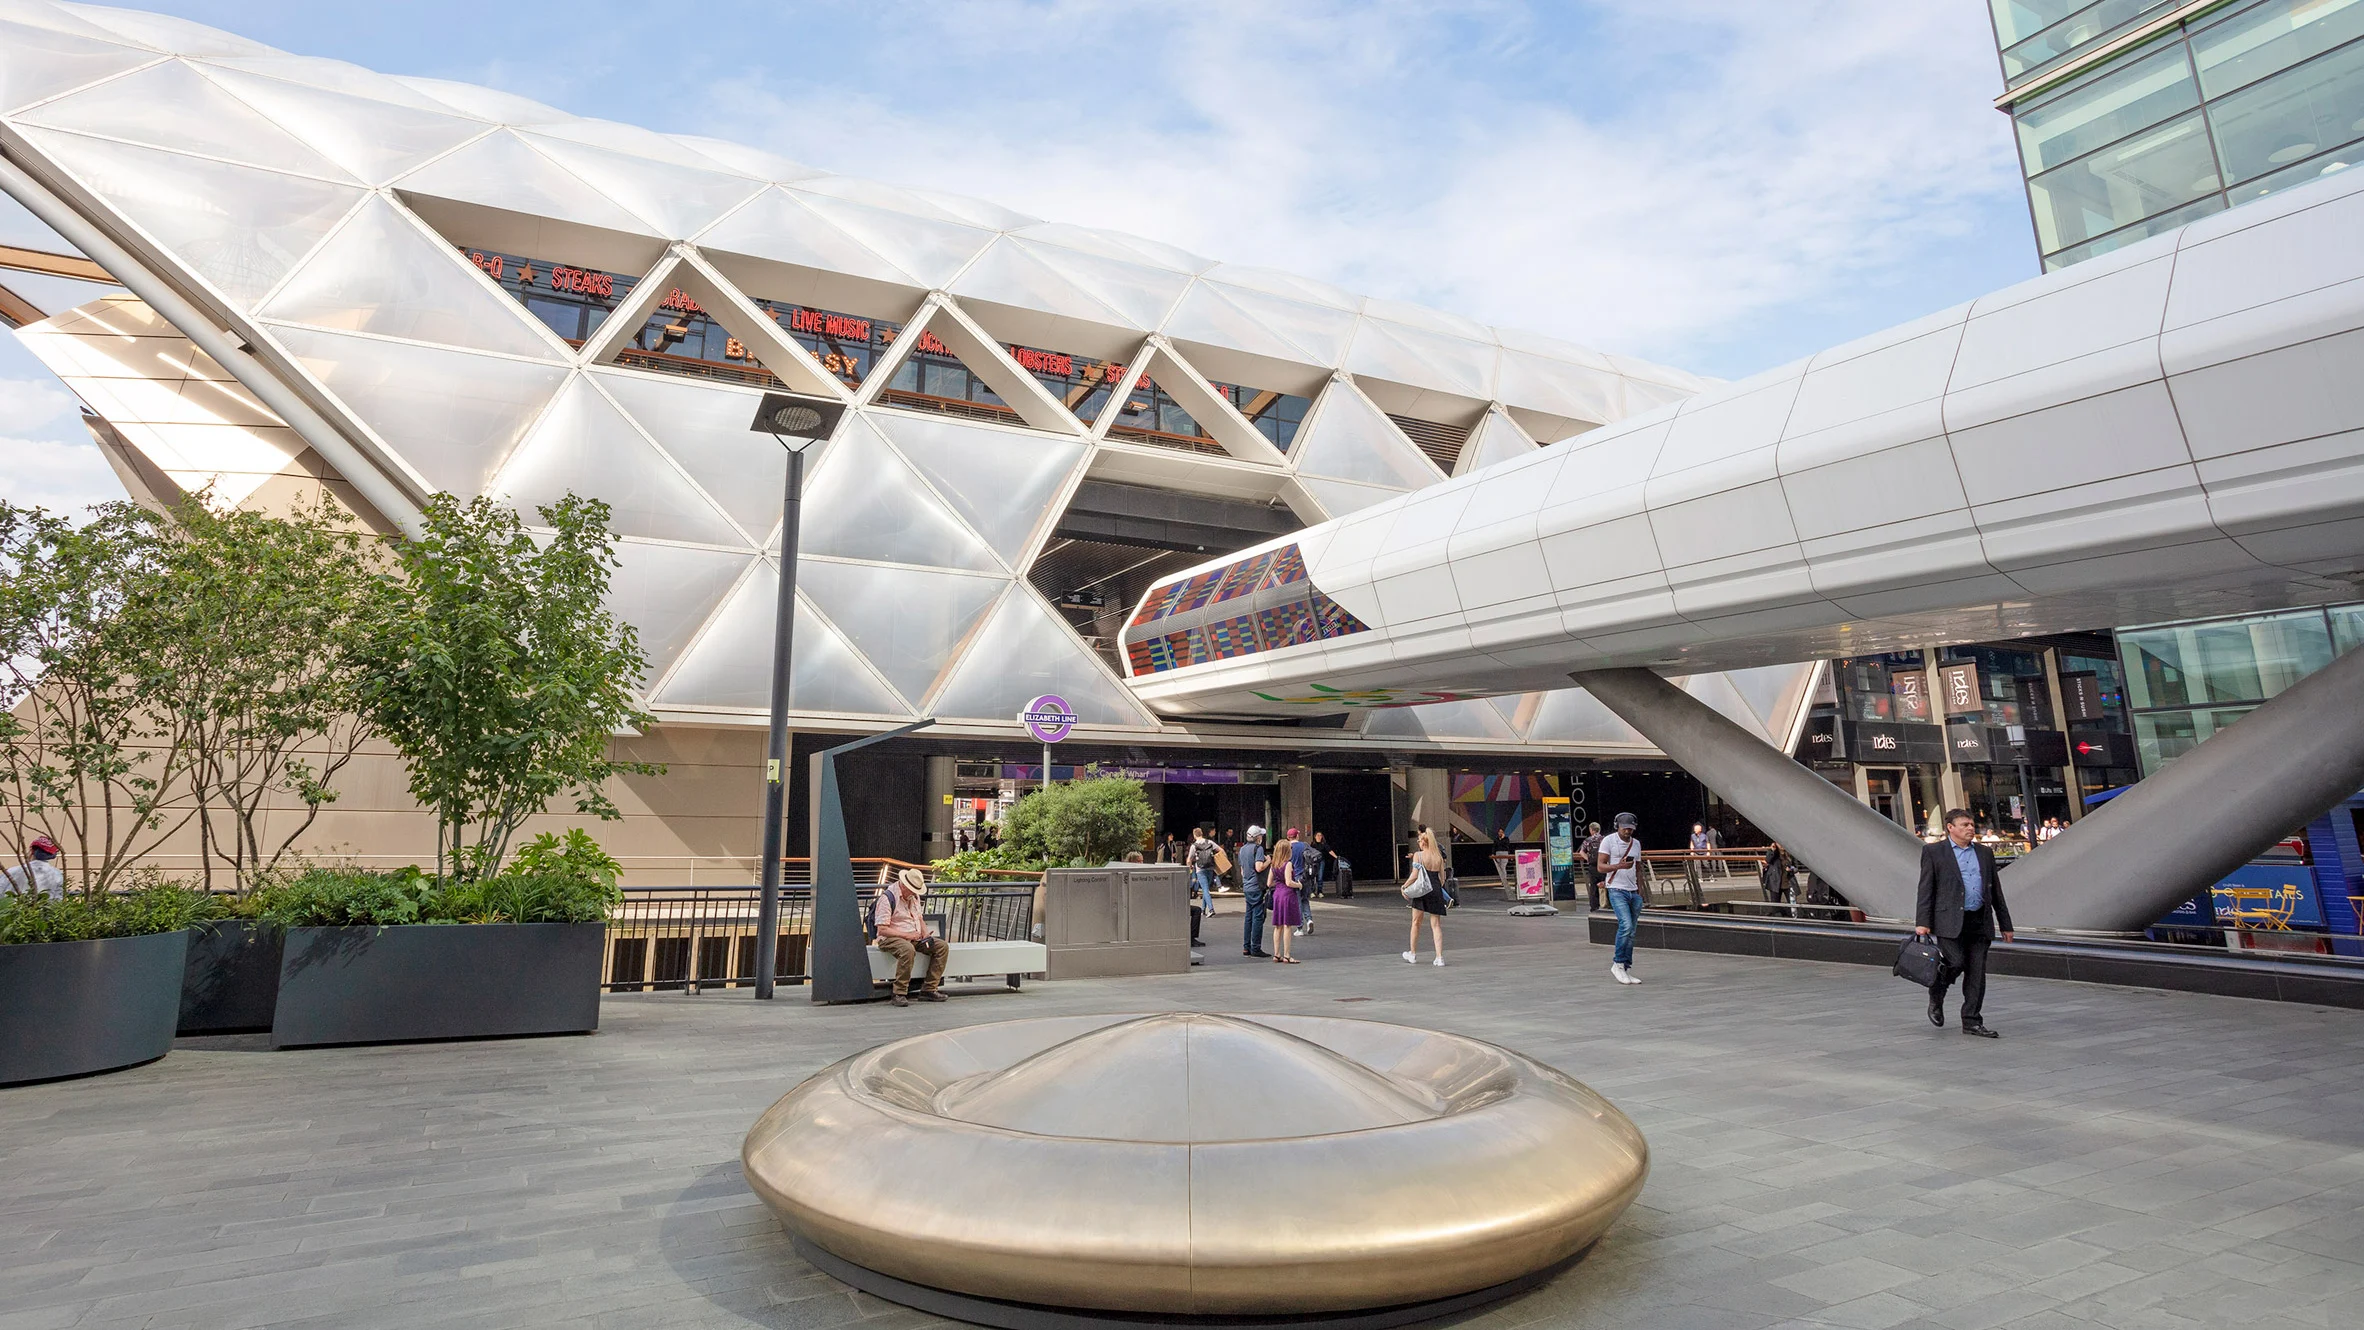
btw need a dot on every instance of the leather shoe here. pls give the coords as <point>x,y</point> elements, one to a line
<point>1937,1010</point>
<point>931,995</point>
<point>901,1001</point>
<point>1260,953</point>
<point>1981,1031</point>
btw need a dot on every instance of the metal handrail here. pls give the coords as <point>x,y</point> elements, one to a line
<point>689,938</point>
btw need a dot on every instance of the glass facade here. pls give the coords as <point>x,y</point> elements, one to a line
<point>2225,105</point>
<point>2184,682</point>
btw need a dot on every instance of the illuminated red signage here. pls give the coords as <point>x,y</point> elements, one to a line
<point>825,324</point>
<point>580,281</point>
<point>1041,362</point>
<point>679,300</point>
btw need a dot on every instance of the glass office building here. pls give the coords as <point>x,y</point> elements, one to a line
<point>2135,116</point>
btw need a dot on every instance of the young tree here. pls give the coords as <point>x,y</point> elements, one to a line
<point>497,672</point>
<point>92,753</point>
<point>1081,823</point>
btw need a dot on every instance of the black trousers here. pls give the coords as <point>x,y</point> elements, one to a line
<point>1965,956</point>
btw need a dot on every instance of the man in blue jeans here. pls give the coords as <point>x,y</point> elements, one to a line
<point>1201,858</point>
<point>1253,864</point>
<point>1617,862</point>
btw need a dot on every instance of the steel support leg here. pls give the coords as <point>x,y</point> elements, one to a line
<point>1869,859</point>
<point>2179,832</point>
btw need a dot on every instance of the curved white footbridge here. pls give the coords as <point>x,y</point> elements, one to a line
<point>2171,431</point>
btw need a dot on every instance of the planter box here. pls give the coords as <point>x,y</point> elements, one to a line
<point>232,983</point>
<point>78,1007</point>
<point>436,981</point>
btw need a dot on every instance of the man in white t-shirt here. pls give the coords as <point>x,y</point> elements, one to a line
<point>1618,862</point>
<point>40,874</point>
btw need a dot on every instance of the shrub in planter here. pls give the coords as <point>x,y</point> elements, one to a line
<point>92,982</point>
<point>375,957</point>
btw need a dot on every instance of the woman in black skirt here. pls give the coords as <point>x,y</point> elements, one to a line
<point>1430,903</point>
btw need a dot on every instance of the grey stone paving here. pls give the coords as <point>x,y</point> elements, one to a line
<point>2120,1158</point>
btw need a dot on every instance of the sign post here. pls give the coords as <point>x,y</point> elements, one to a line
<point>1049,719</point>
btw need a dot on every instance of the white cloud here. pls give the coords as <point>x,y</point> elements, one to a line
<point>62,476</point>
<point>1646,176</point>
<point>28,404</point>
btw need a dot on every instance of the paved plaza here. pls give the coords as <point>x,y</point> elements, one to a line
<point>2121,1157</point>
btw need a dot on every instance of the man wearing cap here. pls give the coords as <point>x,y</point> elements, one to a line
<point>1615,862</point>
<point>905,934</point>
<point>1253,865</point>
<point>40,874</point>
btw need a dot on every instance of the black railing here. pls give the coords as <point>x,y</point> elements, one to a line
<point>687,938</point>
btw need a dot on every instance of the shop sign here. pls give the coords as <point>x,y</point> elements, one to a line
<point>1959,682</point>
<point>1912,695</point>
<point>2080,696</point>
<point>1879,742</point>
<point>2046,748</point>
<point>1824,740</point>
<point>1048,718</point>
<point>1967,744</point>
<point>2101,748</point>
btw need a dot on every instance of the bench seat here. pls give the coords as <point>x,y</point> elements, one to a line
<point>1010,959</point>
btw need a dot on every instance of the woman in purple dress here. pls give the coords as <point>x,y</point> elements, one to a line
<point>1288,901</point>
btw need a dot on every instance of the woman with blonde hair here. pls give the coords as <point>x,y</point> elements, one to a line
<point>1424,891</point>
<point>1288,900</point>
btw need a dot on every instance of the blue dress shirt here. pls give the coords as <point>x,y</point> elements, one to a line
<point>1973,885</point>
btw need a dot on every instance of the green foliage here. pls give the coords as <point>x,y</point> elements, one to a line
<point>553,880</point>
<point>497,672</point>
<point>972,865</point>
<point>1083,823</point>
<point>156,907</point>
<point>159,671</point>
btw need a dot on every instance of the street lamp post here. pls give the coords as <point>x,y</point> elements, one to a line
<point>784,416</point>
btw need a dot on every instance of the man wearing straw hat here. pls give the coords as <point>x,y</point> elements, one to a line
<point>905,934</point>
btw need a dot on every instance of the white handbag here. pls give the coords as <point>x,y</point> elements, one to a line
<point>1419,884</point>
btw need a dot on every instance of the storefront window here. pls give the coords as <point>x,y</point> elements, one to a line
<point>2241,660</point>
<point>2165,736</point>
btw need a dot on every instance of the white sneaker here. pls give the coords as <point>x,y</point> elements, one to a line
<point>1622,975</point>
<point>1411,959</point>
<point>1438,961</point>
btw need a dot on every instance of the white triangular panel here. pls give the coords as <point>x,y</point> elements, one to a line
<point>38,62</point>
<point>1009,274</point>
<point>923,203</point>
<point>173,107</point>
<point>1350,439</point>
<point>1024,653</point>
<point>748,161</point>
<point>1286,285</point>
<point>373,141</point>
<point>1717,692</point>
<point>166,33</point>
<point>908,622</point>
<point>616,136</point>
<point>1001,481</point>
<point>930,250</point>
<point>501,171</point>
<point>1206,315</point>
<point>238,228</point>
<point>584,445</point>
<point>1574,716</point>
<point>731,665</point>
<point>1423,359</point>
<point>703,426</point>
<point>868,503</point>
<point>1498,439</point>
<point>1320,333</point>
<point>381,274</point>
<point>666,592</point>
<point>778,227</point>
<point>1115,245</point>
<point>1339,497</point>
<point>1142,294</point>
<point>1441,720</point>
<point>506,108</point>
<point>453,436</point>
<point>1774,693</point>
<point>1560,388</point>
<point>338,76</point>
<point>681,201</point>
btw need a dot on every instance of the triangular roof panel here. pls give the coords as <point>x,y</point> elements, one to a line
<point>370,139</point>
<point>1321,334</point>
<point>778,227</point>
<point>1498,439</point>
<point>666,592</point>
<point>1008,273</point>
<point>584,445</point>
<point>1287,285</point>
<point>166,33</point>
<point>238,228</point>
<point>730,667</point>
<point>616,136</point>
<point>1002,481</point>
<point>40,62</point>
<point>502,171</point>
<point>1340,497</point>
<point>381,274</point>
<point>1350,439</point>
<point>455,436</point>
<point>1401,353</point>
<point>339,76</point>
<point>930,250</point>
<point>748,161</point>
<point>1115,245</point>
<point>703,426</point>
<point>173,107</point>
<point>1142,294</point>
<point>1026,651</point>
<point>908,622</point>
<point>502,108</point>
<point>680,200</point>
<point>868,503</point>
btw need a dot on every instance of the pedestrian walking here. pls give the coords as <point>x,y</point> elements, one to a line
<point>1961,902</point>
<point>1201,858</point>
<point>1586,854</point>
<point>1288,898</point>
<point>1428,873</point>
<point>1323,873</point>
<point>1616,858</point>
<point>1253,864</point>
<point>1303,864</point>
<point>1773,878</point>
<point>39,875</point>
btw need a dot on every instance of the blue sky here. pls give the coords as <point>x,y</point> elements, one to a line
<point>1723,185</point>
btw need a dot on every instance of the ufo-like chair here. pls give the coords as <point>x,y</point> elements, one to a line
<point>1186,1168</point>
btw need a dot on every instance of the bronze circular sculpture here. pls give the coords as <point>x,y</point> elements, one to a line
<point>1193,1166</point>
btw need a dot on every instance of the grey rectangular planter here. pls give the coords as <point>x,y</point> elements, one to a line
<point>232,983</point>
<point>72,1008</point>
<point>436,981</point>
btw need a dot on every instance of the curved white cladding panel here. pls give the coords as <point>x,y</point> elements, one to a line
<point>315,213</point>
<point>2173,430</point>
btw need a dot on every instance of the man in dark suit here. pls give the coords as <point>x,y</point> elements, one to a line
<point>1961,902</point>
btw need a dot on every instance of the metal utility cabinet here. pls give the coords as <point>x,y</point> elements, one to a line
<point>1119,920</point>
